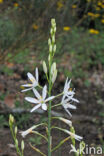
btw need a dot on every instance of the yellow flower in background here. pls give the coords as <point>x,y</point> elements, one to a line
<point>74,6</point>
<point>59,5</point>
<point>102,5</point>
<point>1,1</point>
<point>88,1</point>
<point>16,4</point>
<point>93,31</point>
<point>97,8</point>
<point>97,15</point>
<point>91,14</point>
<point>99,3</point>
<point>35,27</point>
<point>102,21</point>
<point>66,28</point>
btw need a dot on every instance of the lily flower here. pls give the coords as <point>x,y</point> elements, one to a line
<point>41,100</point>
<point>65,103</point>
<point>67,91</point>
<point>34,81</point>
<point>75,136</point>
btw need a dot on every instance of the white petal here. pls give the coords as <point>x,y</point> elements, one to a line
<point>50,98</point>
<point>27,85</point>
<point>70,106</point>
<point>71,93</point>
<point>36,93</point>
<point>77,137</point>
<point>36,74</point>
<point>31,77</point>
<point>68,112</point>
<point>44,106</point>
<point>69,83</point>
<point>26,90</point>
<point>44,92</point>
<point>65,86</point>
<point>73,99</point>
<point>36,107</point>
<point>32,100</point>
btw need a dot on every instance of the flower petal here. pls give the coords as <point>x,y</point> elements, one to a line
<point>31,77</point>
<point>44,106</point>
<point>36,93</point>
<point>27,85</point>
<point>32,100</point>
<point>50,98</point>
<point>36,74</point>
<point>44,92</point>
<point>26,90</point>
<point>36,107</point>
<point>70,106</point>
<point>73,99</point>
<point>68,111</point>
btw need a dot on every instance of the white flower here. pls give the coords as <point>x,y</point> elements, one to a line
<point>24,133</point>
<point>65,103</point>
<point>77,137</point>
<point>67,92</point>
<point>40,101</point>
<point>73,149</point>
<point>33,80</point>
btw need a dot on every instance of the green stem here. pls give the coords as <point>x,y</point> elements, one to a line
<point>59,104</point>
<point>49,118</point>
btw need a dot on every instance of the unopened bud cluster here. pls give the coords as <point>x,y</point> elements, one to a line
<point>52,50</point>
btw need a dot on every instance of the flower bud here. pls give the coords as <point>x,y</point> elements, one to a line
<point>54,48</point>
<point>53,67</point>
<point>49,58</point>
<point>11,119</point>
<point>49,41</point>
<point>16,142</point>
<point>44,67</point>
<point>54,76</point>
<point>22,145</point>
<point>51,31</point>
<point>50,48</point>
<point>53,38</point>
<point>15,130</point>
<point>66,121</point>
<point>54,29</point>
<point>53,21</point>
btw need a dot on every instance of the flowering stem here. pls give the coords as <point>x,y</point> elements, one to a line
<point>51,43</point>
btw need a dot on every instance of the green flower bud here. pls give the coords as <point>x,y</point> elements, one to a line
<point>54,29</point>
<point>44,67</point>
<point>50,48</point>
<point>49,41</point>
<point>22,145</point>
<point>54,48</point>
<point>54,76</point>
<point>15,130</point>
<point>11,119</point>
<point>16,142</point>
<point>53,68</point>
<point>53,38</point>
